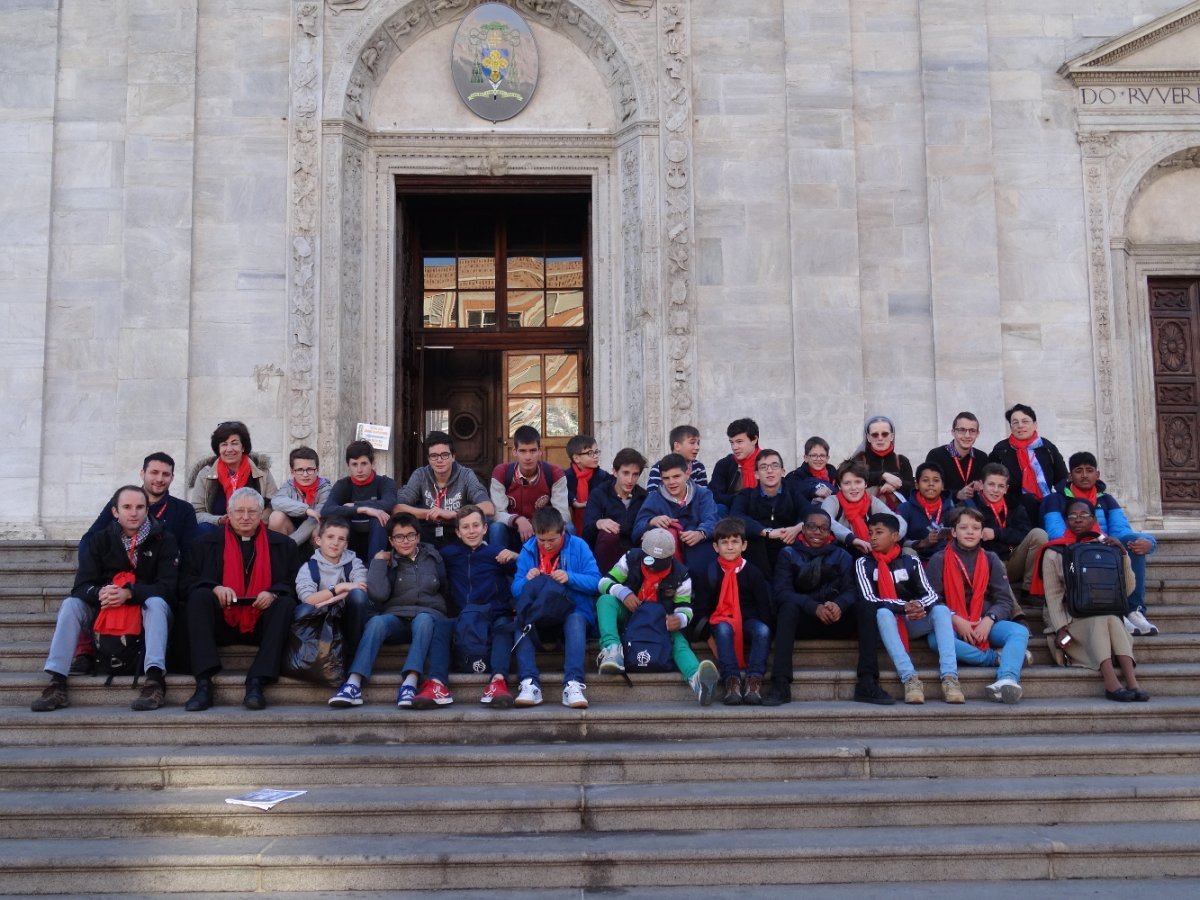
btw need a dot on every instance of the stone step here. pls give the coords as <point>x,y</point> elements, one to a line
<point>640,859</point>
<point>697,805</point>
<point>102,768</point>
<point>309,725</point>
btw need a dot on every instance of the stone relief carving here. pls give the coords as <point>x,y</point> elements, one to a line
<point>438,7</point>
<point>641,7</point>
<point>339,6</point>
<point>373,55</point>
<point>540,9</point>
<point>351,295</point>
<point>331,256</point>
<point>354,97</point>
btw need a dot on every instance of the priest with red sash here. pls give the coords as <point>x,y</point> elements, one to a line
<point>240,590</point>
<point>972,582</point>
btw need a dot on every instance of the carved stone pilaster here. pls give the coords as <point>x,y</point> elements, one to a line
<point>303,215</point>
<point>350,299</point>
<point>677,225</point>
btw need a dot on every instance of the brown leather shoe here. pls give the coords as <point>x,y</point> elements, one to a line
<point>733,691</point>
<point>753,695</point>
<point>53,697</point>
<point>152,696</point>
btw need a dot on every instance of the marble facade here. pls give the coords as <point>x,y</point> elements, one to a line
<point>803,211</point>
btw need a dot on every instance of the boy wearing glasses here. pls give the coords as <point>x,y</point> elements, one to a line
<point>771,512</point>
<point>815,478</point>
<point>296,506</point>
<point>584,476</point>
<point>960,463</point>
<point>436,492</point>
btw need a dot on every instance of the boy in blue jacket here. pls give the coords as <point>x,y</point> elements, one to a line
<point>553,560</point>
<point>1083,483</point>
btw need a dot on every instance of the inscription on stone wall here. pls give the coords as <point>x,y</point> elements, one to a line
<point>1134,96</point>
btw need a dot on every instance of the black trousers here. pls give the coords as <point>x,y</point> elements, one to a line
<point>792,622</point>
<point>207,630</point>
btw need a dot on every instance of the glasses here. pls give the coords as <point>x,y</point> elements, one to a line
<point>880,434</point>
<point>593,452</point>
<point>406,537</point>
<point>966,431</point>
<point>815,526</point>
<point>769,467</point>
<point>439,457</point>
<point>816,455</point>
<point>1079,516</point>
<point>307,470</point>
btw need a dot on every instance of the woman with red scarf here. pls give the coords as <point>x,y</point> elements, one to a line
<point>1095,641</point>
<point>1034,464</point>
<point>231,467</point>
<point>851,506</point>
<point>890,475</point>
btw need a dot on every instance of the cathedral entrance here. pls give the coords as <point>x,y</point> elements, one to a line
<point>1175,337</point>
<point>494,326</point>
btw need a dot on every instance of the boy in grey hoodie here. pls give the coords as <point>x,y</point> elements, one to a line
<point>301,498</point>
<point>335,574</point>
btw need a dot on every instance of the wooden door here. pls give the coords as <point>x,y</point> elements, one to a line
<point>1175,338</point>
<point>460,399</point>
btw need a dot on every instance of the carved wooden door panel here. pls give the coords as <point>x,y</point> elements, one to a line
<point>1175,338</point>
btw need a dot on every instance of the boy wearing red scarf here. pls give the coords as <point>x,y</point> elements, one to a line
<point>851,507</point>
<point>743,610</point>
<point>651,574</point>
<point>584,476</point>
<point>364,496</point>
<point>927,513</point>
<point>736,471</point>
<point>815,477</point>
<point>895,584</point>
<point>972,582</point>
<point>1007,530</point>
<point>296,506</point>
<point>240,590</point>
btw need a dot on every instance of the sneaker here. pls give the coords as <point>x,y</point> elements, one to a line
<point>350,694</point>
<point>867,690</point>
<point>529,694</point>
<point>497,696</point>
<point>1131,627</point>
<point>152,695</point>
<point>914,691</point>
<point>952,690</point>
<point>611,660</point>
<point>573,695</point>
<point>1004,690</point>
<point>778,693</point>
<point>1144,625</point>
<point>733,691</point>
<point>704,681</point>
<point>432,693</point>
<point>406,695</point>
<point>53,697</point>
<point>753,695</point>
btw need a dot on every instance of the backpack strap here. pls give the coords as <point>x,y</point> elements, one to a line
<point>346,570</point>
<point>314,572</point>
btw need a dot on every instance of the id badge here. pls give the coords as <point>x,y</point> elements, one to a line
<point>439,531</point>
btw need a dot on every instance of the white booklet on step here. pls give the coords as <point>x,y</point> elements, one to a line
<point>264,798</point>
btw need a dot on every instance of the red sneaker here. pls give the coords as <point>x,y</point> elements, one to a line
<point>432,693</point>
<point>497,695</point>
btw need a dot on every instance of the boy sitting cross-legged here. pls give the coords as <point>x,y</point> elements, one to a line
<point>651,574</point>
<point>972,583</point>
<point>296,506</point>
<point>1007,531</point>
<point>743,610</point>
<point>553,560</point>
<point>335,574</point>
<point>895,583</point>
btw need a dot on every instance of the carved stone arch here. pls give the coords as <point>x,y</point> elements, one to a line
<point>1167,153</point>
<point>388,31</point>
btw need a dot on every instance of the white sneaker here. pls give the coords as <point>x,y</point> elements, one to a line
<point>529,694</point>
<point>611,660</point>
<point>1144,625</point>
<point>1131,628</point>
<point>1005,690</point>
<point>573,695</point>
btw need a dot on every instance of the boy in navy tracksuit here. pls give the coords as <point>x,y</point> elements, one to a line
<point>743,610</point>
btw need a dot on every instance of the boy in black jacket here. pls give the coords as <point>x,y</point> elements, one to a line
<point>612,509</point>
<point>743,610</point>
<point>815,598</point>
<point>363,496</point>
<point>1007,531</point>
<point>771,512</point>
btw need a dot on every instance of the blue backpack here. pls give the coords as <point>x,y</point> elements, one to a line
<point>473,638</point>
<point>647,641</point>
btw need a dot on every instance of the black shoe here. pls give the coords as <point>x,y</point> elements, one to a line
<point>1122,695</point>
<point>254,699</point>
<point>1140,696</point>
<point>869,691</point>
<point>82,665</point>
<point>779,693</point>
<point>202,698</point>
<point>53,697</point>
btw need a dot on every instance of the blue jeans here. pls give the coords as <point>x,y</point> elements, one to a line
<point>355,613</point>
<point>938,620</point>
<point>575,631</point>
<point>501,535</point>
<point>760,640</point>
<point>502,644</point>
<point>1011,637</point>
<point>388,629</point>
<point>1137,600</point>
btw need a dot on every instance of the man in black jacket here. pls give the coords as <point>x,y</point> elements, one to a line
<point>815,597</point>
<point>240,590</point>
<point>134,561</point>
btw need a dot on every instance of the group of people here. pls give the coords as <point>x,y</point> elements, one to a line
<point>747,558</point>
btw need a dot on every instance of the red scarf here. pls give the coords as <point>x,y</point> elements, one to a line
<point>648,592</point>
<point>1029,482</point>
<point>365,481</point>
<point>884,454</point>
<point>886,586</point>
<point>548,562</point>
<point>1037,587</point>
<point>933,510</point>
<point>233,567</point>
<point>821,474</point>
<point>231,482</point>
<point>856,513</point>
<point>308,493</point>
<point>729,604</point>
<point>999,510</point>
<point>749,472</point>
<point>954,584</point>
<point>582,486</point>
<point>1092,496</point>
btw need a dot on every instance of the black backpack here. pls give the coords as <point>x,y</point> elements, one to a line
<point>120,650</point>
<point>1095,578</point>
<point>646,641</point>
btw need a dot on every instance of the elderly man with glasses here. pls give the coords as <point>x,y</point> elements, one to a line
<point>436,492</point>
<point>240,590</point>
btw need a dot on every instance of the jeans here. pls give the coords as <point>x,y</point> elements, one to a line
<point>1011,637</point>
<point>357,609</point>
<point>937,620</point>
<point>1137,600</point>
<point>574,643</point>
<point>760,640</point>
<point>388,629</point>
<point>501,535</point>
<point>611,614</point>
<point>74,616</point>
<point>502,644</point>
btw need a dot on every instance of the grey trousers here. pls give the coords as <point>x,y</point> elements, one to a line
<point>75,615</point>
